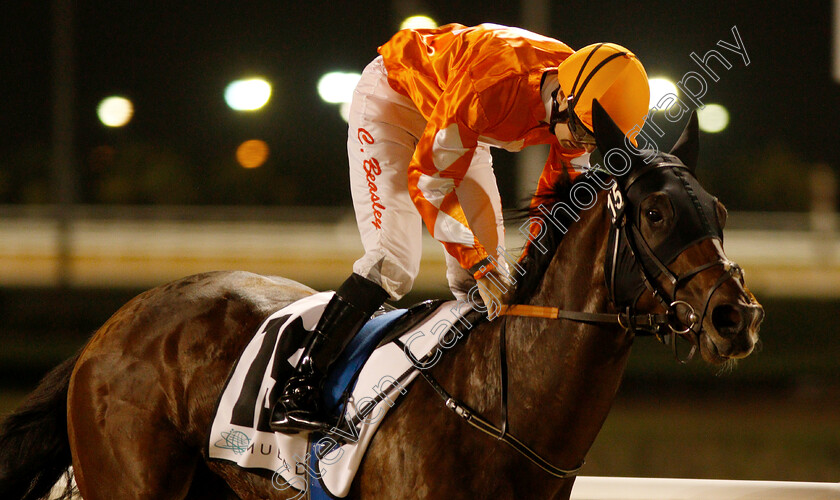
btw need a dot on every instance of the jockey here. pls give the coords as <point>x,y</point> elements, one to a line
<point>422,120</point>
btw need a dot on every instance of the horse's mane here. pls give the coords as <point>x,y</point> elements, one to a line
<point>534,262</point>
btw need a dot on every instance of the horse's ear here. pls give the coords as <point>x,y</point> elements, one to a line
<point>608,137</point>
<point>607,134</point>
<point>687,147</point>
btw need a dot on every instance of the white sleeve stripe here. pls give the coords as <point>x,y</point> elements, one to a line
<point>449,230</point>
<point>435,189</point>
<point>447,147</point>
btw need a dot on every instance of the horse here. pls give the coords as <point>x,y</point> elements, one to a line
<point>131,412</point>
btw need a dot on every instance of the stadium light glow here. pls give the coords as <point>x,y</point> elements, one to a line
<point>115,111</point>
<point>418,22</point>
<point>659,88</point>
<point>337,87</point>
<point>247,95</point>
<point>252,153</point>
<point>344,111</point>
<point>713,118</point>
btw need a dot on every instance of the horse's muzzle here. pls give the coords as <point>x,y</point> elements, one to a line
<point>737,327</point>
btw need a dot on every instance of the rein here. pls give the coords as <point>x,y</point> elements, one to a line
<point>625,320</point>
<point>475,419</point>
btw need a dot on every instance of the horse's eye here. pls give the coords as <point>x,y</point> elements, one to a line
<point>654,215</point>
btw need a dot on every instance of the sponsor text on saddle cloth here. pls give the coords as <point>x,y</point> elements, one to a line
<point>240,432</point>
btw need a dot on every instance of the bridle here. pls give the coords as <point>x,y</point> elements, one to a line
<point>643,253</point>
<point>664,326</point>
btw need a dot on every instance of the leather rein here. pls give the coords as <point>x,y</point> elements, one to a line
<point>660,325</point>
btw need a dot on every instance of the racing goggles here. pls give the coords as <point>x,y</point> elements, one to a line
<point>580,133</point>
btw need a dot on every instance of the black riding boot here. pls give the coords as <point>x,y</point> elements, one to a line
<point>299,407</point>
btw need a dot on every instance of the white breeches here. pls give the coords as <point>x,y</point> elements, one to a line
<point>384,127</point>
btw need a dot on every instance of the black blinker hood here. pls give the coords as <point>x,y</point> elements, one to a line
<point>649,172</point>
<point>695,212</point>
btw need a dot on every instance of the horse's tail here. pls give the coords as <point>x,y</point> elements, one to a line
<point>34,447</point>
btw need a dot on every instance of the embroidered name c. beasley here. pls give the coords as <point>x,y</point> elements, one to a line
<point>372,170</point>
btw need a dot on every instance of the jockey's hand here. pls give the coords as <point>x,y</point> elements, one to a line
<point>492,287</point>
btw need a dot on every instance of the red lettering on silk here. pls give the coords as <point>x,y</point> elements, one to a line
<point>372,170</point>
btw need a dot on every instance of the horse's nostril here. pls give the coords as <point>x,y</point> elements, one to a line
<point>727,318</point>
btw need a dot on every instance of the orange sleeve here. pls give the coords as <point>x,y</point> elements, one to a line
<point>440,162</point>
<point>558,169</point>
<point>557,165</point>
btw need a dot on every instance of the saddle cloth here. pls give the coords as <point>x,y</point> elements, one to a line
<point>240,433</point>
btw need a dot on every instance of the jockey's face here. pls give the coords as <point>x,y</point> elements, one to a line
<point>565,137</point>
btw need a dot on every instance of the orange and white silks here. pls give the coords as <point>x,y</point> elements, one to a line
<point>424,141</point>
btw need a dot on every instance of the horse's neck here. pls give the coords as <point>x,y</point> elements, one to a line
<point>563,376</point>
<point>566,400</point>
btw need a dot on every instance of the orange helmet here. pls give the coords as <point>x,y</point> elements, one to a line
<point>613,75</point>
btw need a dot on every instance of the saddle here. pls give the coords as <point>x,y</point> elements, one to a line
<point>364,383</point>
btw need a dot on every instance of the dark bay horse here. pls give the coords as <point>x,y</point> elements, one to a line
<point>132,411</point>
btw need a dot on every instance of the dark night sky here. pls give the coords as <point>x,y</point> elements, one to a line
<point>173,60</point>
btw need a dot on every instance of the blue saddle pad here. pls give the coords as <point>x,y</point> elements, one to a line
<point>342,374</point>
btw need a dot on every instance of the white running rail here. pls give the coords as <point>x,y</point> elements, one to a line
<point>631,488</point>
<point>634,488</point>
